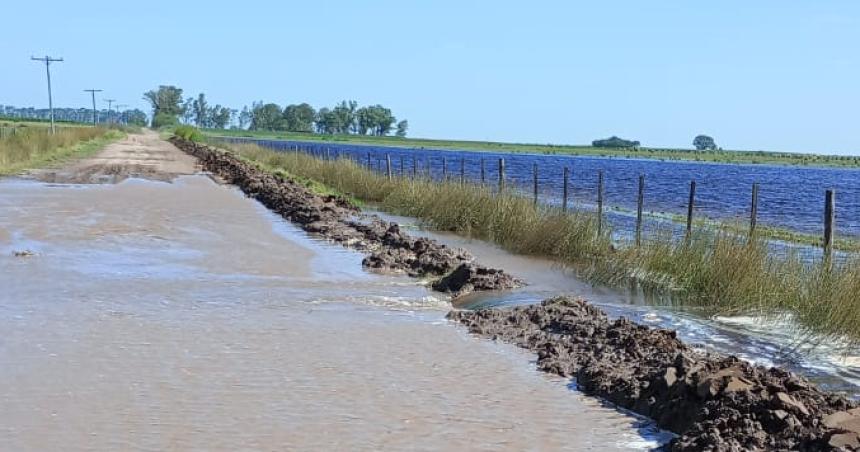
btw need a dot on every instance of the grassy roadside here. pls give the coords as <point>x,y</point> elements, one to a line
<point>745,157</point>
<point>37,148</point>
<point>718,268</point>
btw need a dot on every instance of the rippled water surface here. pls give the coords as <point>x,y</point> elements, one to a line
<point>789,197</point>
<point>182,316</point>
<point>831,365</point>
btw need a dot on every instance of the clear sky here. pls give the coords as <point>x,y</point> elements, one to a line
<point>764,74</point>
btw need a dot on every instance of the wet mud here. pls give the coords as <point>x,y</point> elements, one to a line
<point>712,401</point>
<point>389,249</point>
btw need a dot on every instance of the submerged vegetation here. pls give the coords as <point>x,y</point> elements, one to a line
<point>717,268</point>
<point>33,147</point>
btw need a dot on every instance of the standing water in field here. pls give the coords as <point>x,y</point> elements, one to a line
<point>152,316</point>
<point>790,197</point>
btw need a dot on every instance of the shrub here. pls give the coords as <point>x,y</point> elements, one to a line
<point>190,133</point>
<point>164,120</point>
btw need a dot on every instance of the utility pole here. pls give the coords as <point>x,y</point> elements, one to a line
<point>109,102</point>
<point>48,60</point>
<point>95,115</point>
<point>120,109</point>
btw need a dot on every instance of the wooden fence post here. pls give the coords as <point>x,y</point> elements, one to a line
<point>535,180</point>
<point>640,200</point>
<point>600,202</point>
<point>690,206</point>
<point>564,193</point>
<point>483,174</point>
<point>462,170</point>
<point>753,210</point>
<point>501,175</point>
<point>829,225</point>
<point>444,169</point>
<point>388,165</point>
<point>369,162</point>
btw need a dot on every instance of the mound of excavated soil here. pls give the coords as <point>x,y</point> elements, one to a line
<point>713,402</point>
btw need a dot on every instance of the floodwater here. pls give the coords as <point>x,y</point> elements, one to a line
<point>831,365</point>
<point>158,316</point>
<point>789,197</point>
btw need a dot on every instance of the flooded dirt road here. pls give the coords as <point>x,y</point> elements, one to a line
<point>183,316</point>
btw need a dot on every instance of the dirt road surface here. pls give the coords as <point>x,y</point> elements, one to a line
<point>142,155</point>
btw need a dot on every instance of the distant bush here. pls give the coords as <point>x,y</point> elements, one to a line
<point>615,142</point>
<point>164,120</point>
<point>190,133</point>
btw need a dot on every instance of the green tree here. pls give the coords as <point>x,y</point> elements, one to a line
<point>346,119</point>
<point>135,117</point>
<point>266,117</point>
<point>299,118</point>
<point>201,111</point>
<point>188,111</point>
<point>165,101</point>
<point>402,127</point>
<point>704,143</point>
<point>245,117</point>
<point>218,117</point>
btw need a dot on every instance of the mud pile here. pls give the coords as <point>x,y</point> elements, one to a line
<point>389,249</point>
<point>713,402</point>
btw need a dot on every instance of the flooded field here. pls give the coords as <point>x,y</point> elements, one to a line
<point>155,316</point>
<point>790,197</point>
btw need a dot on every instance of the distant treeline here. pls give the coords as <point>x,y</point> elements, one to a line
<point>615,142</point>
<point>134,117</point>
<point>170,108</point>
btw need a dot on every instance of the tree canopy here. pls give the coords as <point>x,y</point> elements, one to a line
<point>614,142</point>
<point>166,101</point>
<point>704,143</point>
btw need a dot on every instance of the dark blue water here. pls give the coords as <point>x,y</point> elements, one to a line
<point>789,197</point>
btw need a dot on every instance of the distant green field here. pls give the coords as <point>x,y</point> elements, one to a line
<point>753,157</point>
<point>16,122</point>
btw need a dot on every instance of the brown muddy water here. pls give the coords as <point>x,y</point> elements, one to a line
<point>158,316</point>
<point>830,364</point>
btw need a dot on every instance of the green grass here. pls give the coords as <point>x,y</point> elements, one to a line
<point>750,157</point>
<point>37,147</point>
<point>719,268</point>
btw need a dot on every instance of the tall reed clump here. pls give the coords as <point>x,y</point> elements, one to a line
<point>717,267</point>
<point>33,146</point>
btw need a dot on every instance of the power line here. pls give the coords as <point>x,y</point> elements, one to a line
<point>48,60</point>
<point>95,115</point>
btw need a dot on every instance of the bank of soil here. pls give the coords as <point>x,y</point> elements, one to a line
<point>388,248</point>
<point>713,402</point>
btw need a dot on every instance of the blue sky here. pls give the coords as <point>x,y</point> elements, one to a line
<point>774,75</point>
